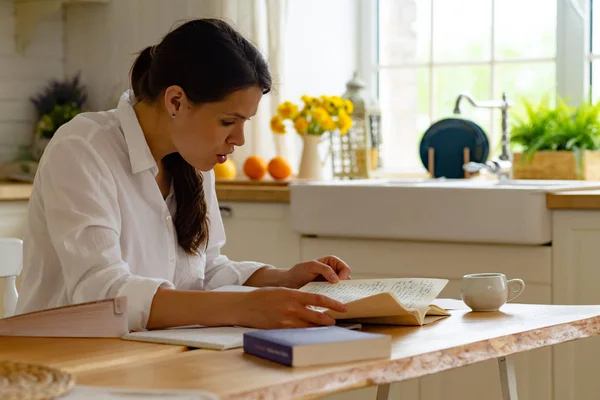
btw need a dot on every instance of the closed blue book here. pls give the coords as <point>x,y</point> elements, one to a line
<point>315,346</point>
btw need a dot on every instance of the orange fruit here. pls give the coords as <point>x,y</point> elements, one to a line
<point>255,167</point>
<point>225,170</point>
<point>279,168</point>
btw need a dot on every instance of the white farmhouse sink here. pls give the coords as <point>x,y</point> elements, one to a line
<point>474,210</point>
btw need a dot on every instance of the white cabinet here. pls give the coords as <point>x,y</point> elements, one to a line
<point>380,258</point>
<point>576,272</point>
<point>260,232</point>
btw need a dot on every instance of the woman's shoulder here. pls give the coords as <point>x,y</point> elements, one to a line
<point>97,132</point>
<point>89,126</point>
<point>91,141</point>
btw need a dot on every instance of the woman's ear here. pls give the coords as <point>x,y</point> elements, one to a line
<point>175,100</point>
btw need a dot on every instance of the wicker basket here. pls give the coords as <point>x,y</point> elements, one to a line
<point>32,382</point>
<point>558,165</point>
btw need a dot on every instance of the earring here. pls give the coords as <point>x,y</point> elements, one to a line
<point>173,116</point>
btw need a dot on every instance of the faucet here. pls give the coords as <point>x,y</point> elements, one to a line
<point>503,165</point>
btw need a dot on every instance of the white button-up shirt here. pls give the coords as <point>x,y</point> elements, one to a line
<point>98,226</point>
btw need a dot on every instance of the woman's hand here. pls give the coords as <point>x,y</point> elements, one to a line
<point>277,308</point>
<point>328,268</point>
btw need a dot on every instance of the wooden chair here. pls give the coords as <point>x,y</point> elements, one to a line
<point>11,263</point>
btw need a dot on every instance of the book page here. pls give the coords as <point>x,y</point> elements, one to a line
<point>411,292</point>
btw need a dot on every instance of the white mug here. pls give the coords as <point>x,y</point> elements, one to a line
<point>489,292</point>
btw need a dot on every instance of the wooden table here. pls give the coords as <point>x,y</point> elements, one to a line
<point>462,339</point>
<point>78,355</point>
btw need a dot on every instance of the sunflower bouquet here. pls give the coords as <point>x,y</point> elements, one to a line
<point>317,116</point>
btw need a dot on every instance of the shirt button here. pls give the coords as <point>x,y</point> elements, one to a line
<point>172,259</point>
<point>168,218</point>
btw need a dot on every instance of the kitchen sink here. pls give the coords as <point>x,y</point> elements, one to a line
<point>461,210</point>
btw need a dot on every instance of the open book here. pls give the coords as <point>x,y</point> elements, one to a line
<point>395,301</point>
<point>401,301</point>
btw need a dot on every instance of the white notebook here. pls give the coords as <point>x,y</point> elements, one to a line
<point>216,338</point>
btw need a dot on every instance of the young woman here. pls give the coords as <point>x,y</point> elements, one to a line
<point>124,201</point>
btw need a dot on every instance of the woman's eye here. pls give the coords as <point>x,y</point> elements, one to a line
<point>227,123</point>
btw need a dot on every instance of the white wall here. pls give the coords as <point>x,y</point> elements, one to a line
<point>102,40</point>
<point>23,75</point>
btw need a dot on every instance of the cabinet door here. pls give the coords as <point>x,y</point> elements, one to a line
<point>260,232</point>
<point>576,269</point>
<point>380,258</point>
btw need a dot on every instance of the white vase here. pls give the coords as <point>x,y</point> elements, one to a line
<point>310,164</point>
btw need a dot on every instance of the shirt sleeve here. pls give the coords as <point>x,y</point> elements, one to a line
<point>220,270</point>
<point>84,222</point>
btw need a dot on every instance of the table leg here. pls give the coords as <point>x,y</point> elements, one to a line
<point>508,381</point>
<point>383,392</point>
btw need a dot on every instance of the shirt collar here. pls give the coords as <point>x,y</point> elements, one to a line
<point>139,152</point>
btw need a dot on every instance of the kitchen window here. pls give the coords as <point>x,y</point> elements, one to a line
<point>419,55</point>
<point>594,49</point>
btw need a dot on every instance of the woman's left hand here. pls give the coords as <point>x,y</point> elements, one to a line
<point>328,268</point>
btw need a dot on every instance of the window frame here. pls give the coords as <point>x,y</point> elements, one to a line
<point>573,53</point>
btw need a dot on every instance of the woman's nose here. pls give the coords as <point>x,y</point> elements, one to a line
<point>237,136</point>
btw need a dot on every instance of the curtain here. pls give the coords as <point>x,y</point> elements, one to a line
<point>263,23</point>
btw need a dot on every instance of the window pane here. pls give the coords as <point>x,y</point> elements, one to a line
<point>596,26</point>
<point>449,82</point>
<point>404,102</point>
<point>404,31</point>
<point>519,35</point>
<point>462,30</point>
<point>596,81</point>
<point>529,81</point>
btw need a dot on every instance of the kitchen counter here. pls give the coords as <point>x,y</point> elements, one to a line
<point>267,191</point>
<point>575,200</point>
<point>14,191</point>
<point>278,192</point>
<point>253,191</point>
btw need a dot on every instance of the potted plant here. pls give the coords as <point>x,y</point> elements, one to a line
<point>559,142</point>
<point>317,116</point>
<point>56,105</point>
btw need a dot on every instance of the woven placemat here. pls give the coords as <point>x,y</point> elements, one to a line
<point>32,382</point>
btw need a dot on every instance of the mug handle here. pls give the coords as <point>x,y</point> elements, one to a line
<point>515,288</point>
